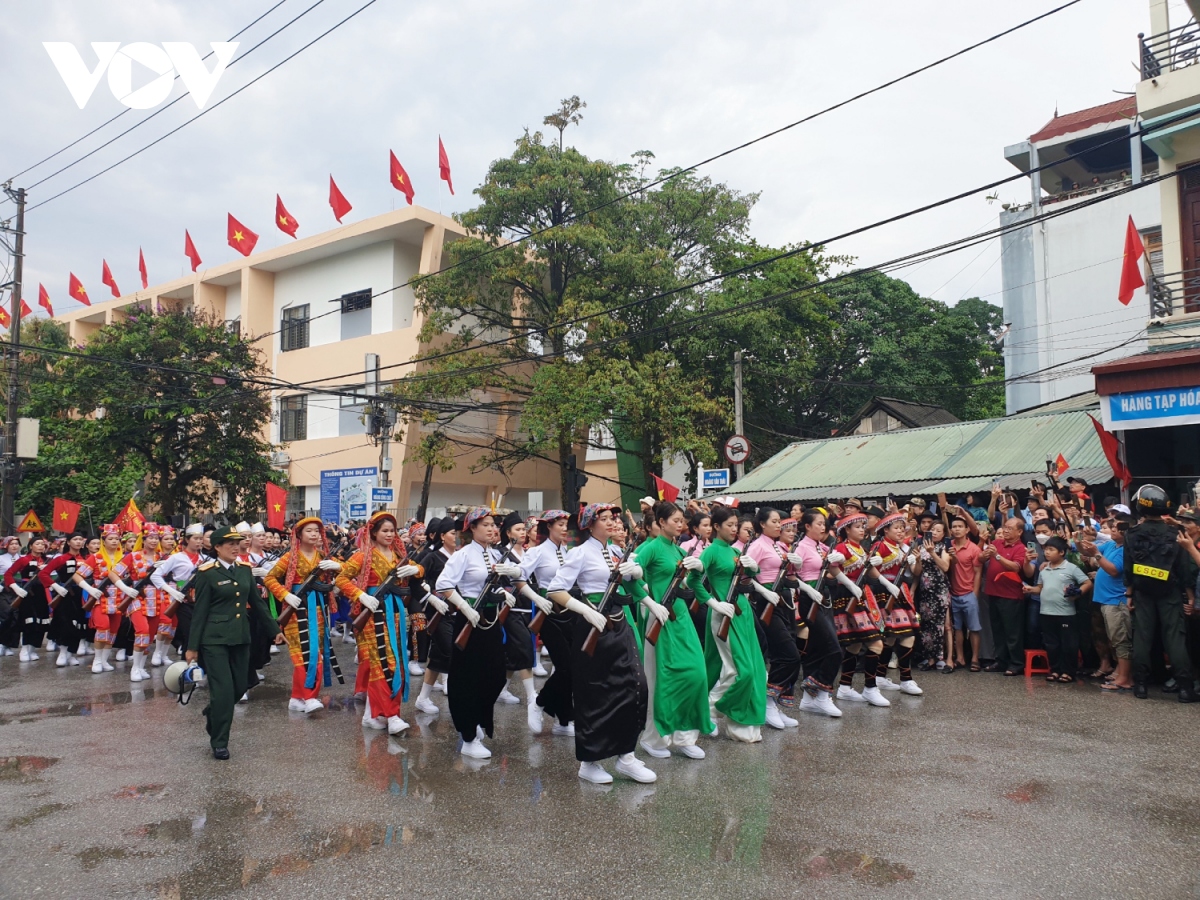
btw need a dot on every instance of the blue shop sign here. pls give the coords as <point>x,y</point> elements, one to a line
<point>1153,409</point>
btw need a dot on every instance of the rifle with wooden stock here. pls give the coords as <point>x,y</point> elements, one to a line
<point>614,580</point>
<point>731,597</point>
<point>492,584</point>
<point>768,612</point>
<point>91,600</point>
<point>173,606</point>
<point>309,584</point>
<point>852,606</point>
<point>654,628</point>
<point>384,587</point>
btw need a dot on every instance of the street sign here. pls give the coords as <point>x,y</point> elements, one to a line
<point>737,449</point>
<point>716,479</point>
<point>383,495</point>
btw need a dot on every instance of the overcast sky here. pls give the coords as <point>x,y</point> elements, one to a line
<point>682,79</point>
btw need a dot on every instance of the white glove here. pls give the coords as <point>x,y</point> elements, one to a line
<point>656,609</point>
<point>128,591</point>
<point>509,600</point>
<point>369,602</point>
<point>260,571</point>
<point>809,591</point>
<point>538,601</point>
<point>590,615</point>
<point>18,590</point>
<point>835,559</point>
<point>722,608</point>
<point>875,560</point>
<point>92,591</point>
<point>795,559</point>
<point>407,570</point>
<point>173,593</point>
<point>890,588</point>
<point>329,565</point>
<point>292,600</point>
<point>438,604</point>
<point>849,585</point>
<point>748,564</point>
<point>59,589</point>
<point>911,560</point>
<point>769,595</point>
<point>464,607</point>
<point>692,563</point>
<point>507,570</point>
<point>630,569</point>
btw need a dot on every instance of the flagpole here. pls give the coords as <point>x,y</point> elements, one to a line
<point>1125,462</point>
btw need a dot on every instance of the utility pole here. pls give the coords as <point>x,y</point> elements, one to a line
<point>11,465</point>
<point>740,468</point>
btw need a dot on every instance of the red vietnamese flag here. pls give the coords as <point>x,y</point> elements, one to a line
<point>66,512</point>
<point>665,490</point>
<point>1060,465</point>
<point>338,203</point>
<point>276,505</point>
<point>400,179</point>
<point>240,238</point>
<point>25,310</point>
<point>284,220</point>
<point>5,318</point>
<point>1131,268</point>
<point>142,269</point>
<point>44,300</point>
<point>189,250</point>
<point>78,292</point>
<point>444,164</point>
<point>106,277</point>
<point>1112,452</point>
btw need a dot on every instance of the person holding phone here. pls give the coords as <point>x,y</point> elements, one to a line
<point>1006,560</point>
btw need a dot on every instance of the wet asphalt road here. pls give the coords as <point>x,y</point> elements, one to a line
<point>985,787</point>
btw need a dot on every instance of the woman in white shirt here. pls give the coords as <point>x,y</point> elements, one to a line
<point>10,630</point>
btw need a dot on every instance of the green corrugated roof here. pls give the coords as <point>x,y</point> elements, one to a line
<point>964,456</point>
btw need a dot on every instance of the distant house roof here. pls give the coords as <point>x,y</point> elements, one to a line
<point>1117,110</point>
<point>912,415</point>
<point>955,458</point>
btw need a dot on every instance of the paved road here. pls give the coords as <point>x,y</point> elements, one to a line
<point>984,787</point>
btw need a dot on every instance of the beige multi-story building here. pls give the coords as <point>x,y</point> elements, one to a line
<point>330,316</point>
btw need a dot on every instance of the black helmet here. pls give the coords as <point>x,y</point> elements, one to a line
<point>1153,500</point>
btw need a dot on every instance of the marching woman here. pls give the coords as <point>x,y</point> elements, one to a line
<point>307,628</point>
<point>106,616</point>
<point>173,576</point>
<point>859,627</point>
<point>443,540</point>
<point>608,686</point>
<point>737,674</point>
<point>470,582</point>
<point>383,641</point>
<point>10,626</point>
<point>33,613</point>
<point>675,672</point>
<point>900,623</point>
<point>142,611</point>
<point>68,624</point>
<point>539,565</point>
<point>418,640</point>
<point>820,652</point>
<point>779,635</point>
<point>518,640</point>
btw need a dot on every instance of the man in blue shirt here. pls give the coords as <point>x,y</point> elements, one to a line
<point>1109,593</point>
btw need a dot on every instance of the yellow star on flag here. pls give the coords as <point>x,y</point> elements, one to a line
<point>283,220</point>
<point>238,236</point>
<point>400,178</point>
<point>81,290</point>
<point>277,508</point>
<point>63,515</point>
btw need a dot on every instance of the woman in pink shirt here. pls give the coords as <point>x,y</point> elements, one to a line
<point>820,652</point>
<point>783,657</point>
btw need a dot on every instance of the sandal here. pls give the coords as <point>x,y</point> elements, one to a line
<point>1066,679</point>
<point>947,669</point>
<point>1053,676</point>
<point>1111,688</point>
<point>974,667</point>
<point>1100,673</point>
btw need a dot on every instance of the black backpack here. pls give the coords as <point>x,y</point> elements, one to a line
<point>1154,557</point>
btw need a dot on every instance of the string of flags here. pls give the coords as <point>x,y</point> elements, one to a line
<point>240,237</point>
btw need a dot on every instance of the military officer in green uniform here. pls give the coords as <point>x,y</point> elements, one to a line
<point>226,597</point>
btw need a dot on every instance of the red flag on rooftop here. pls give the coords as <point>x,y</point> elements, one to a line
<point>276,505</point>
<point>44,300</point>
<point>189,250</point>
<point>142,269</point>
<point>444,164</point>
<point>665,491</point>
<point>400,179</point>
<point>106,277</point>
<point>66,512</point>
<point>1112,452</point>
<point>287,224</point>
<point>1131,268</point>
<point>240,238</point>
<point>78,291</point>
<point>337,202</point>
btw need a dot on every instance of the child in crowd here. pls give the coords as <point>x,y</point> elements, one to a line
<point>1059,583</point>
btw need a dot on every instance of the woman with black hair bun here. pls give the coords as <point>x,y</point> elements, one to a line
<point>779,635</point>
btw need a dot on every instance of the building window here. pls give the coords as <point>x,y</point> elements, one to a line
<point>293,328</point>
<point>234,326</point>
<point>355,301</point>
<point>293,418</point>
<point>297,499</point>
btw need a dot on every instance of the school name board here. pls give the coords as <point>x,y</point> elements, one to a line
<point>1152,409</point>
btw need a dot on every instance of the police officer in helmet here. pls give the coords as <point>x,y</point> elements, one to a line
<point>1155,584</point>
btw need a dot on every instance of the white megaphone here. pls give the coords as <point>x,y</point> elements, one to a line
<point>181,678</point>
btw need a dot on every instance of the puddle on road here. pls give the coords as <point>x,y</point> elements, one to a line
<point>95,706</point>
<point>24,768</point>
<point>136,791</point>
<point>175,830</point>
<point>825,862</point>
<point>1027,792</point>
<point>40,812</point>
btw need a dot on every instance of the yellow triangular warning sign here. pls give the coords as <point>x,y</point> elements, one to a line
<point>31,523</point>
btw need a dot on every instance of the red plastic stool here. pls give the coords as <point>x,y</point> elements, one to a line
<point>1030,656</point>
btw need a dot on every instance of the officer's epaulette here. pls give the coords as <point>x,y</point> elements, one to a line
<point>242,562</point>
<point>204,567</point>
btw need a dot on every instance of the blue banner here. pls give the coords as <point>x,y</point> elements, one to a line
<point>1163,406</point>
<point>346,493</point>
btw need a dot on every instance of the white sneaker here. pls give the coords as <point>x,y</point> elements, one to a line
<point>632,767</point>
<point>425,705</point>
<point>567,730</point>
<point>395,725</point>
<point>656,752</point>
<point>25,653</point>
<point>311,706</point>
<point>820,704</point>
<point>775,717</point>
<point>545,652</point>
<point>121,655</point>
<point>51,646</point>
<point>872,696</point>
<point>156,659</point>
<point>136,673</point>
<point>72,660</point>
<point>274,649</point>
<point>295,705</point>
<point>788,721</point>
<point>439,685</point>
<point>83,649</point>
<point>539,671</point>
<point>507,696</point>
<point>476,750</point>
<point>415,668</point>
<point>61,662</point>
<point>691,751</point>
<point>910,687</point>
<point>845,692</point>
<point>104,656</point>
<point>97,664</point>
<point>886,684</point>
<point>594,772</point>
<point>377,722</point>
<point>533,716</point>
<point>245,698</point>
